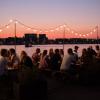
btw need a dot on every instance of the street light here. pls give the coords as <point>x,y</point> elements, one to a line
<point>15,22</point>
<point>63,36</point>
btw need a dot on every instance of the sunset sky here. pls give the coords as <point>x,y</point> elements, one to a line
<point>81,16</point>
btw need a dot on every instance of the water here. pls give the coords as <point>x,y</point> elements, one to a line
<point>30,50</point>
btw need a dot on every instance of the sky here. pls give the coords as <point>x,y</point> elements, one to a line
<point>80,15</point>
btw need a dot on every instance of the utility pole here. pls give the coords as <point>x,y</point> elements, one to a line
<point>64,38</point>
<point>97,35</point>
<point>15,22</point>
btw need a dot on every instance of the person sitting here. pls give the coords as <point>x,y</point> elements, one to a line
<point>97,51</point>
<point>56,60</point>
<point>43,60</point>
<point>3,63</point>
<point>76,52</point>
<point>25,60</point>
<point>13,59</point>
<point>36,57</point>
<point>68,60</point>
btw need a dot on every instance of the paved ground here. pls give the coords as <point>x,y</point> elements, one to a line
<point>58,90</point>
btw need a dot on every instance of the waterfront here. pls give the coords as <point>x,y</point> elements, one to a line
<point>30,50</point>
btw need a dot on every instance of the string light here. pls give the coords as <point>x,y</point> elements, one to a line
<point>94,30</point>
<point>10,20</point>
<point>7,26</point>
<point>28,28</point>
<point>90,32</point>
<point>76,34</point>
<point>0,30</point>
<point>83,35</point>
<point>16,22</point>
<point>72,32</point>
<point>57,29</point>
<point>52,30</point>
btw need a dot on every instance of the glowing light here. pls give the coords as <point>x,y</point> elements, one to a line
<point>87,34</point>
<point>35,30</point>
<point>40,31</point>
<point>28,28</point>
<point>68,29</point>
<point>76,34</point>
<point>57,29</point>
<point>72,31</point>
<point>80,35</point>
<point>84,35</point>
<point>61,26</point>
<point>10,20</point>
<point>90,32</point>
<point>64,25</point>
<point>16,22</point>
<point>7,26</point>
<point>0,30</point>
<point>94,30</point>
<point>52,30</point>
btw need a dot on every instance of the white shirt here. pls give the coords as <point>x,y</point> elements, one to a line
<point>67,61</point>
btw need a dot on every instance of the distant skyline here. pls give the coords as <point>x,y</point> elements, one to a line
<point>80,15</point>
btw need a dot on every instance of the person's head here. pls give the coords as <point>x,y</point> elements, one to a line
<point>51,50</point>
<point>70,51</point>
<point>12,51</point>
<point>44,52</point>
<point>84,51</point>
<point>76,47</point>
<point>38,50</point>
<point>4,52</point>
<point>61,51</point>
<point>56,51</point>
<point>97,47</point>
<point>23,54</point>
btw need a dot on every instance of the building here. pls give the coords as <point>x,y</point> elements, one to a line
<point>30,39</point>
<point>42,39</point>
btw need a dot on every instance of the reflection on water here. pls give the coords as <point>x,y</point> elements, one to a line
<point>30,50</point>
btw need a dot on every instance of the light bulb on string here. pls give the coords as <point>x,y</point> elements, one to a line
<point>72,32</point>
<point>16,22</point>
<point>28,28</point>
<point>76,34</point>
<point>40,31</point>
<point>51,30</point>
<point>90,32</point>
<point>64,25</point>
<point>68,29</point>
<point>10,20</point>
<point>0,30</point>
<point>61,27</point>
<point>57,29</point>
<point>80,35</point>
<point>7,27</point>
<point>94,30</point>
<point>83,35</point>
<point>34,30</point>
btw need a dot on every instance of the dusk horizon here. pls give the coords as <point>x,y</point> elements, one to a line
<point>49,17</point>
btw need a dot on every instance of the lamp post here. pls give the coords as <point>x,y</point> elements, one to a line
<point>97,34</point>
<point>63,37</point>
<point>15,22</point>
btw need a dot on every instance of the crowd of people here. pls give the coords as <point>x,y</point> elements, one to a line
<point>54,60</point>
<point>22,67</point>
